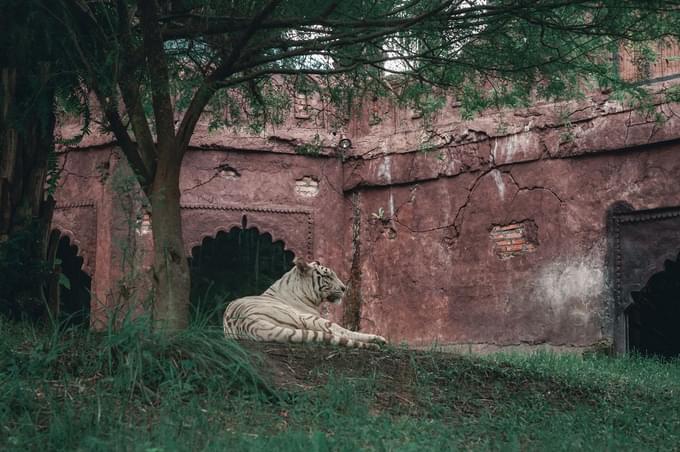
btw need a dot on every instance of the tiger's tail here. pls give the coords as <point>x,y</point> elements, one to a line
<point>265,331</point>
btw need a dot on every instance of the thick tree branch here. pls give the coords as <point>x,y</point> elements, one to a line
<point>242,41</point>
<point>198,102</point>
<point>141,166</point>
<point>206,91</point>
<point>154,50</point>
<point>130,91</point>
<point>146,148</point>
<point>142,163</point>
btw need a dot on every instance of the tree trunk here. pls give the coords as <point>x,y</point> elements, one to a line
<point>171,269</point>
<point>26,140</point>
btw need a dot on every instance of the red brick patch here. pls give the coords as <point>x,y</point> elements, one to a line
<point>514,239</point>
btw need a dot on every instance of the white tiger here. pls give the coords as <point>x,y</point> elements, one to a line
<point>289,311</point>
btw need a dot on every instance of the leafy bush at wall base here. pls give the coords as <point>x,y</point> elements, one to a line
<point>22,276</point>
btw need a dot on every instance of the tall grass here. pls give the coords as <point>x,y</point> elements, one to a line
<point>62,385</point>
<point>131,357</point>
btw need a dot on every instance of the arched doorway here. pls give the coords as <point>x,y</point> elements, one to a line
<point>235,264</point>
<point>640,240</point>
<point>69,289</point>
<point>654,315</point>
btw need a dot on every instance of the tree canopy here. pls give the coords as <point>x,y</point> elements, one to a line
<point>189,50</point>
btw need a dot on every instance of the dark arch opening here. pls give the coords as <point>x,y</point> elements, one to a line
<point>232,265</point>
<point>654,315</point>
<point>69,291</point>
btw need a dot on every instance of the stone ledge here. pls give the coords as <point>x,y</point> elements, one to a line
<point>488,348</point>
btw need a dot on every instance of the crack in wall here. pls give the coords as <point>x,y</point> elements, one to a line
<point>587,107</point>
<point>460,212</point>
<point>220,171</point>
<point>458,218</point>
<point>200,184</point>
<point>658,122</point>
<point>521,189</point>
<point>627,123</point>
<point>660,116</point>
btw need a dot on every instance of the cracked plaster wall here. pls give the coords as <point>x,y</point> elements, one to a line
<point>427,271</point>
<point>449,286</point>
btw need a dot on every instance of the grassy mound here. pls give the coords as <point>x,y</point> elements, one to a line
<point>133,390</point>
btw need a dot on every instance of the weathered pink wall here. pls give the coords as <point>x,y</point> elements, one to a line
<point>432,267</point>
<point>437,206</point>
<point>219,188</point>
<point>98,204</point>
<point>445,281</point>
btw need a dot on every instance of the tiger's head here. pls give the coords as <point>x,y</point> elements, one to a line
<point>325,283</point>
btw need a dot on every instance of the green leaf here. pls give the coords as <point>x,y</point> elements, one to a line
<point>64,281</point>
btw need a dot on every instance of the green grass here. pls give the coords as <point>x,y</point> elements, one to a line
<point>133,390</point>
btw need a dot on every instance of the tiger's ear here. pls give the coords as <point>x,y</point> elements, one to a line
<point>301,265</point>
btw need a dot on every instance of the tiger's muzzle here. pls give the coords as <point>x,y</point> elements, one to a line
<point>336,296</point>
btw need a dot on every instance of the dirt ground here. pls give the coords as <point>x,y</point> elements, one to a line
<point>408,380</point>
<point>294,367</point>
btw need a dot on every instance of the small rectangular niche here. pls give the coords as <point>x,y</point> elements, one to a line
<point>301,106</point>
<point>307,187</point>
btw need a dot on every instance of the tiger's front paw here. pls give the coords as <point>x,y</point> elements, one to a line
<point>378,340</point>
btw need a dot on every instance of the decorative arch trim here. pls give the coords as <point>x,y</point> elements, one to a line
<point>230,227</point>
<point>83,252</point>
<point>305,215</point>
<point>73,205</point>
<point>73,241</point>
